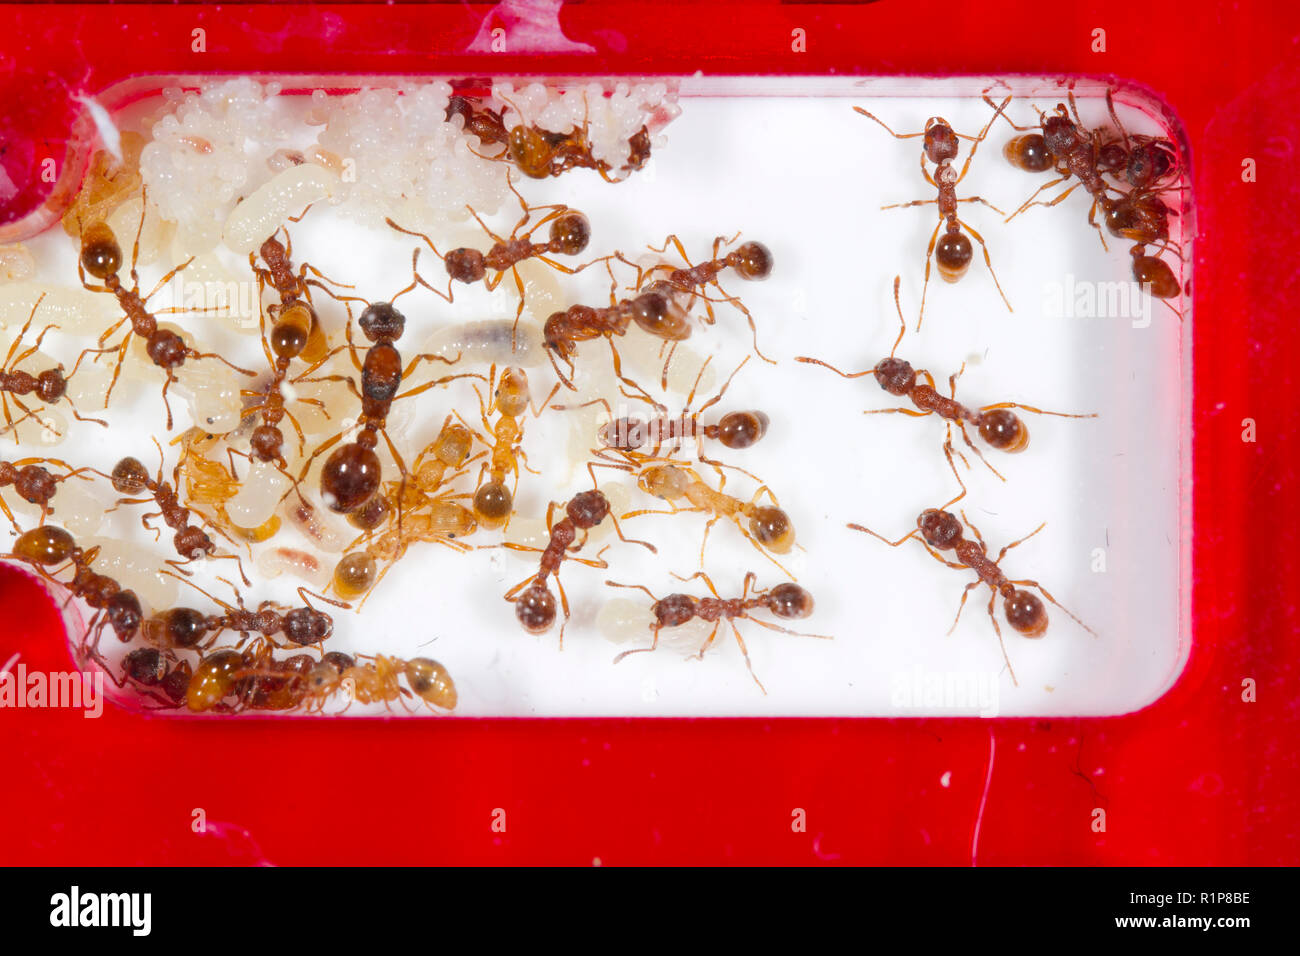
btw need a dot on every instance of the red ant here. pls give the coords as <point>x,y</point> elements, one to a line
<point>787,601</point>
<point>49,386</point>
<point>1000,427</point>
<point>45,548</point>
<point>735,430</point>
<point>952,252</point>
<point>534,604</point>
<point>539,153</point>
<point>131,477</point>
<point>294,289</point>
<point>101,256</point>
<point>351,475</point>
<point>34,483</point>
<point>752,261</point>
<point>570,233</point>
<point>941,531</point>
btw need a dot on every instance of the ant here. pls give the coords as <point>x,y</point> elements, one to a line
<point>735,430</point>
<point>184,627</point>
<point>493,501</point>
<point>48,546</point>
<point>570,233</point>
<point>952,252</point>
<point>34,483</point>
<point>769,527</point>
<point>751,261</point>
<point>941,531</point>
<point>49,386</point>
<point>1000,427</point>
<point>786,601</point>
<point>294,288</point>
<point>448,452</point>
<point>101,256</point>
<point>351,475</point>
<point>534,603</point>
<point>539,153</point>
<point>131,477</point>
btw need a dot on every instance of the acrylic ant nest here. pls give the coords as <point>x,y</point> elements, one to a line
<point>407,351</point>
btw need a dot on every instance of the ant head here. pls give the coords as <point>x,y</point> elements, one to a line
<point>1025,612</point>
<point>125,614</point>
<point>895,375</point>
<point>664,481</point>
<point>267,442</point>
<point>587,508</point>
<point>272,250</point>
<point>940,141</point>
<point>145,665</point>
<point>1148,162</point>
<point>51,385</point>
<point>1003,429</point>
<point>1111,158</point>
<point>306,625</point>
<point>789,601</point>
<point>571,232</point>
<point>555,337</point>
<point>166,348</point>
<point>1059,131</point>
<point>511,394</point>
<point>130,476</point>
<point>465,265</point>
<point>941,529</point>
<point>674,610</point>
<point>101,256</point>
<point>381,322</point>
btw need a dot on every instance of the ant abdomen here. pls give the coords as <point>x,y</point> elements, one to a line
<point>292,330</point>
<point>214,680</point>
<point>1029,153</point>
<point>431,682</point>
<point>657,312</point>
<point>1154,274</point>
<point>493,504</point>
<point>350,478</point>
<point>354,575</point>
<point>101,256</point>
<point>953,256</point>
<point>571,233</point>
<point>773,530</point>
<point>535,609</point>
<point>1025,612</point>
<point>1004,430</point>
<point>789,601</point>
<point>46,545</point>
<point>752,260</point>
<point>742,429</point>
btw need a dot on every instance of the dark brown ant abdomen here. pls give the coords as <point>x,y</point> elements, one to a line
<point>740,429</point>
<point>1029,153</point>
<point>1004,430</point>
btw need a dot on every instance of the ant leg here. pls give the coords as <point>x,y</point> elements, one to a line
<point>745,652</point>
<point>708,582</point>
<point>1092,221</point>
<point>1001,643</point>
<point>1047,594</point>
<point>988,262</point>
<point>901,411</point>
<point>1013,544</point>
<point>962,606</point>
<point>892,544</point>
<point>812,361</point>
<point>165,279</point>
<point>1059,199</point>
<point>980,199</point>
<point>965,435</point>
<point>442,381</point>
<point>979,537</point>
<point>1038,411</point>
<point>925,286</point>
<point>908,205</point>
<point>618,371</point>
<point>633,587</point>
<point>872,116</point>
<point>654,643</point>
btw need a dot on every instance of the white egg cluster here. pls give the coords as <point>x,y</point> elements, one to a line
<point>400,157</point>
<point>209,150</point>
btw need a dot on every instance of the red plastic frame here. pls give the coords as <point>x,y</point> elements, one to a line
<point>1200,777</point>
